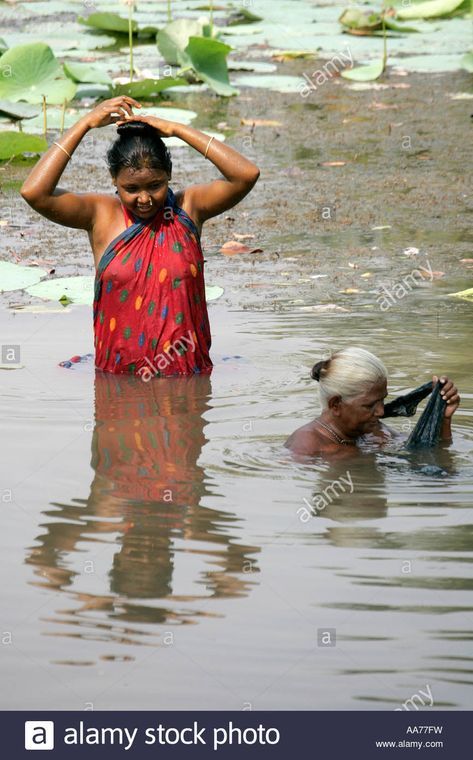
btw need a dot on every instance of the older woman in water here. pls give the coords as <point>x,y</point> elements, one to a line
<point>353,386</point>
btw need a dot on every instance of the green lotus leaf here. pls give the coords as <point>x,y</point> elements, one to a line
<point>365,73</point>
<point>212,292</point>
<point>208,59</point>
<point>17,277</point>
<point>17,110</point>
<point>84,72</point>
<point>429,9</point>
<point>78,290</point>
<point>108,22</point>
<point>15,143</point>
<point>274,82</point>
<point>467,294</point>
<point>31,71</point>
<point>174,38</point>
<point>148,87</point>
<point>243,16</point>
<point>467,61</point>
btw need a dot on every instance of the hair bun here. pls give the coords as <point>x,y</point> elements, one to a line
<point>135,128</point>
<point>318,368</point>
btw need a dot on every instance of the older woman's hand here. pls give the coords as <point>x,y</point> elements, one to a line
<point>450,393</point>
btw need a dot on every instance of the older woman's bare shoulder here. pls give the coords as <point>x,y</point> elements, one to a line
<point>306,440</point>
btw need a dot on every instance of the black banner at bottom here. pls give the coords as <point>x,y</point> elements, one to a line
<point>228,735</point>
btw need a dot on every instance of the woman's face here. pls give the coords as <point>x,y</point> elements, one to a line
<point>359,415</point>
<point>142,191</point>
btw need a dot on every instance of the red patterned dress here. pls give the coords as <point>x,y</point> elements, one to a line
<point>150,312</point>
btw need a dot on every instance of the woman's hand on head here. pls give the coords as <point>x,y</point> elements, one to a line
<point>164,127</point>
<point>450,394</point>
<point>112,111</point>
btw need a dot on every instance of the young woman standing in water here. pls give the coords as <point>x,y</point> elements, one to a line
<point>150,313</point>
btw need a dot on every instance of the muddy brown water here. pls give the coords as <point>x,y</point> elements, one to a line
<point>152,534</point>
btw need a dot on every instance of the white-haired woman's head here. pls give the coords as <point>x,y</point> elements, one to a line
<point>348,373</point>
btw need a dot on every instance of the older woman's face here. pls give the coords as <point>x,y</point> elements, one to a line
<point>360,414</point>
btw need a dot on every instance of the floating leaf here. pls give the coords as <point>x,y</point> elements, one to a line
<point>148,87</point>
<point>274,82</point>
<point>84,72</point>
<point>212,292</point>
<point>15,143</point>
<point>17,277</point>
<point>174,38</point>
<point>467,294</point>
<point>108,22</point>
<point>359,22</point>
<point>232,247</point>
<point>365,73</point>
<point>467,62</point>
<point>79,290</point>
<point>243,16</point>
<point>31,71</point>
<point>17,110</point>
<point>208,59</point>
<point>430,9</point>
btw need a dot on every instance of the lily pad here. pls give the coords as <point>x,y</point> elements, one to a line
<point>466,294</point>
<point>467,62</point>
<point>54,119</point>
<point>208,59</point>
<point>174,38</point>
<point>429,9</point>
<point>17,110</point>
<point>365,73</point>
<point>31,71</point>
<point>78,290</point>
<point>212,292</point>
<point>274,82</point>
<point>17,277</point>
<point>148,87</point>
<point>109,22</point>
<point>243,16</point>
<point>84,72</point>
<point>16,143</point>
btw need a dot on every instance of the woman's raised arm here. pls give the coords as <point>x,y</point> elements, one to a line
<point>39,189</point>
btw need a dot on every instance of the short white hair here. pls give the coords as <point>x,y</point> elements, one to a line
<point>348,373</point>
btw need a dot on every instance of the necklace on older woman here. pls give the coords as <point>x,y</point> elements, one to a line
<point>334,434</point>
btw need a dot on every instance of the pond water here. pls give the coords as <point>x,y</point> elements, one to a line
<point>154,554</point>
<point>153,544</point>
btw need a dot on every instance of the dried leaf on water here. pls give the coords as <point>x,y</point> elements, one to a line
<point>232,247</point>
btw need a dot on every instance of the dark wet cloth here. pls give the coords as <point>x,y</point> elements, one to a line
<point>427,430</point>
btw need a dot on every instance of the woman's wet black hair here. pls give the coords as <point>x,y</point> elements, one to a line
<point>138,145</point>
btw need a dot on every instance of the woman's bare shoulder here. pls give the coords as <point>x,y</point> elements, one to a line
<point>306,441</point>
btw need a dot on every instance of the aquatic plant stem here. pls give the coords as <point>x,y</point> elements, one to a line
<point>211,8</point>
<point>63,116</point>
<point>169,12</point>
<point>130,37</point>
<point>45,118</point>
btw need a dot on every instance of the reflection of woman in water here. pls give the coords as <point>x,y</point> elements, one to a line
<point>146,492</point>
<point>150,315</point>
<point>353,386</point>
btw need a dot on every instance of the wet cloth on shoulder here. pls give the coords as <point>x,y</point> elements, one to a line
<point>150,312</point>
